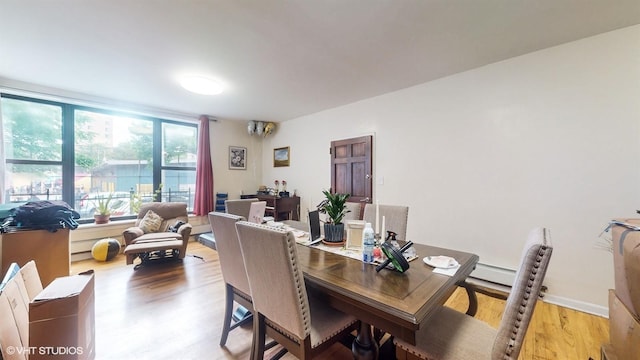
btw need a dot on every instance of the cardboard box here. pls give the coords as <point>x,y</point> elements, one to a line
<point>624,330</point>
<point>14,311</point>
<point>626,264</point>
<point>9,334</point>
<point>57,322</point>
<point>62,319</point>
<point>607,353</point>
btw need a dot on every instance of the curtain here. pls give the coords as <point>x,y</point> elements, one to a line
<point>2,164</point>
<point>204,197</point>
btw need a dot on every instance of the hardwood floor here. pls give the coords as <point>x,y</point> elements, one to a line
<point>174,311</point>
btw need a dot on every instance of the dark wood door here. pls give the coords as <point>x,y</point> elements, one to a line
<point>351,168</point>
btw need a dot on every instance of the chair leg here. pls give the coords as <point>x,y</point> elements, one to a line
<point>259,335</point>
<point>279,354</point>
<point>228,310</point>
<point>473,298</point>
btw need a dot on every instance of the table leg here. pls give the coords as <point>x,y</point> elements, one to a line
<point>363,346</point>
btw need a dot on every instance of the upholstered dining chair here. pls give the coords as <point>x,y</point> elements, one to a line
<point>285,309</point>
<point>239,207</point>
<point>354,211</point>
<point>396,218</point>
<point>232,266</point>
<point>450,334</point>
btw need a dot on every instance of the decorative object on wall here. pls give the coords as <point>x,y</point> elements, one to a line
<point>260,128</point>
<point>268,129</point>
<point>237,158</point>
<point>281,156</point>
<point>251,127</point>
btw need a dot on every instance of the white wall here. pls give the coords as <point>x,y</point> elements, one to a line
<point>225,133</point>
<point>546,139</point>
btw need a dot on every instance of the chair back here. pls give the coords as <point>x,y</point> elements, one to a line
<point>396,218</point>
<point>269,254</point>
<point>240,207</point>
<point>231,262</point>
<point>524,295</point>
<point>354,211</point>
<point>170,212</point>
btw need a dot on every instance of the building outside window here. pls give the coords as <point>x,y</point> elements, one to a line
<point>59,151</point>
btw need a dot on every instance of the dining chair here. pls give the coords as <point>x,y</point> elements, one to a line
<point>396,218</point>
<point>233,271</point>
<point>450,334</point>
<point>284,308</point>
<point>354,211</point>
<point>239,207</point>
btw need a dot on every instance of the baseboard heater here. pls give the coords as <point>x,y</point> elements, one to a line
<point>493,277</point>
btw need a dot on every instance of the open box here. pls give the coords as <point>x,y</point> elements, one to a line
<point>57,321</point>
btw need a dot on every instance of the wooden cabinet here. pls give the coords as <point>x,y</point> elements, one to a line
<point>284,208</point>
<point>50,251</point>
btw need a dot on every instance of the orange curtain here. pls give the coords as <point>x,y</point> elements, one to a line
<point>204,198</point>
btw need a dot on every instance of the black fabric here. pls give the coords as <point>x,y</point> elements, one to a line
<point>177,225</point>
<point>43,215</point>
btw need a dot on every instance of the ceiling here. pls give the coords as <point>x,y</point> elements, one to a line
<point>278,59</point>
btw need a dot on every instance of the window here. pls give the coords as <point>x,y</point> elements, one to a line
<point>78,154</point>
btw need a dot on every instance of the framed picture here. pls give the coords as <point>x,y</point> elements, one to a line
<point>355,230</point>
<point>281,156</point>
<point>237,158</point>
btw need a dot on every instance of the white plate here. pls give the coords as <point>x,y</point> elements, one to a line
<point>439,261</point>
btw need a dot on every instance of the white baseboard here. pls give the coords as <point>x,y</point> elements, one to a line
<point>589,308</point>
<point>498,278</point>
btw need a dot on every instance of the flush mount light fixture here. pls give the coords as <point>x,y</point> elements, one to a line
<point>201,85</point>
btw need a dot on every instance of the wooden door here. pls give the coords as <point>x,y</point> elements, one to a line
<point>351,170</point>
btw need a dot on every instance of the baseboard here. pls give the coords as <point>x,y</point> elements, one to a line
<point>589,308</point>
<point>500,279</point>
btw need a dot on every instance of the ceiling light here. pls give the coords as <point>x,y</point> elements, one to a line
<point>201,85</point>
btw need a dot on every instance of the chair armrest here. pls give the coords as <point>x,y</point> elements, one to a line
<point>185,231</point>
<point>131,234</point>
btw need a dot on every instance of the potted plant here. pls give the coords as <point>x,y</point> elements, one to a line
<point>334,206</point>
<point>103,207</point>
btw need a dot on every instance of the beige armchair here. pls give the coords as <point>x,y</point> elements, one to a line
<point>452,335</point>
<point>285,309</point>
<point>151,237</point>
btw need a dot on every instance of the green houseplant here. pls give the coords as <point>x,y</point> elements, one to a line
<point>334,205</point>
<point>103,207</point>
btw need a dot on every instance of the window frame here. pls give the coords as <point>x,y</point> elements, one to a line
<point>68,145</point>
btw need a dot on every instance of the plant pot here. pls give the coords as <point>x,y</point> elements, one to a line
<point>101,219</point>
<point>333,233</point>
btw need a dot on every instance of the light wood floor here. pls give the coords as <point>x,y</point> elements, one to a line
<point>174,311</point>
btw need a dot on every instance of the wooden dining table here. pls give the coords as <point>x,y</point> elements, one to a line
<point>393,302</point>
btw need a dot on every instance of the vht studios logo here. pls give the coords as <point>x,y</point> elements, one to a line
<point>44,350</point>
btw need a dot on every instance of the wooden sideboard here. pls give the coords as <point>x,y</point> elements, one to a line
<point>284,208</point>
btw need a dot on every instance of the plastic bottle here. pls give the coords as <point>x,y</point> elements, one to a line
<point>368,241</point>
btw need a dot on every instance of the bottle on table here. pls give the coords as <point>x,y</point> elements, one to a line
<point>368,241</point>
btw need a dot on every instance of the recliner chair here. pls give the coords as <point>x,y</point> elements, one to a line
<point>151,236</point>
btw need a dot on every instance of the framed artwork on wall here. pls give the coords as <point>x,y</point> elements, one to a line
<point>281,156</point>
<point>237,158</point>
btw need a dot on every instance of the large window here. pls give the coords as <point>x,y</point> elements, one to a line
<point>79,154</point>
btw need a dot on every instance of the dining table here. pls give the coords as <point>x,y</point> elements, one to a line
<point>398,303</point>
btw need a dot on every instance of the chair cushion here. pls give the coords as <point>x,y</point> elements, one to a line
<point>450,334</point>
<point>151,222</point>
